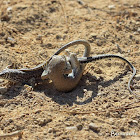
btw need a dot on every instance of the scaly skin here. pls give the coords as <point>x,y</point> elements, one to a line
<point>24,75</point>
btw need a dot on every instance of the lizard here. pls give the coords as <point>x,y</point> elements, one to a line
<point>56,71</point>
<point>26,75</point>
<point>65,83</point>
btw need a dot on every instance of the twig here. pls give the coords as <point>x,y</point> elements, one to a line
<point>16,133</point>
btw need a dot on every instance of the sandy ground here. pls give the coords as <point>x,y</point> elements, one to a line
<point>31,31</point>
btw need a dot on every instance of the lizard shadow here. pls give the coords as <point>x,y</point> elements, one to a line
<point>88,85</point>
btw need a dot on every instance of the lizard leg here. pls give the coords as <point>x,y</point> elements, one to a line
<point>73,60</point>
<point>74,64</point>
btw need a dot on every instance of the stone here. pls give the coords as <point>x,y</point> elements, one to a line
<point>85,90</point>
<point>137,77</point>
<point>58,37</point>
<point>48,45</point>
<point>100,94</point>
<point>93,35</point>
<point>71,128</point>
<point>11,39</point>
<point>138,30</point>
<point>111,6</point>
<point>42,122</point>
<point>133,122</point>
<point>39,37</point>
<point>94,127</point>
<point>9,9</point>
<point>79,126</point>
<point>50,130</point>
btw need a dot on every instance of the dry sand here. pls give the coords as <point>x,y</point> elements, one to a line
<point>31,31</point>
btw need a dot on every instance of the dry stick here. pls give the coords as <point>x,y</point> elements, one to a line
<point>16,133</point>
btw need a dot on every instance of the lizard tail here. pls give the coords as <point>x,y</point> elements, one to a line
<point>72,43</point>
<point>98,57</point>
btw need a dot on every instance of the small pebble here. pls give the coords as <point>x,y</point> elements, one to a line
<point>49,45</point>
<point>93,35</point>
<point>11,39</point>
<point>93,114</point>
<point>138,30</point>
<point>133,122</point>
<point>99,109</point>
<point>85,90</point>
<point>100,94</point>
<point>9,9</point>
<point>94,127</point>
<point>111,6</point>
<point>135,33</point>
<point>98,71</point>
<point>59,37</point>
<point>38,111</point>
<point>84,118</point>
<point>50,130</point>
<point>42,122</point>
<point>80,2</point>
<point>137,77</point>
<point>71,128</point>
<point>79,127</point>
<point>39,37</point>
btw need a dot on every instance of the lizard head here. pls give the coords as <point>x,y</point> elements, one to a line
<point>57,65</point>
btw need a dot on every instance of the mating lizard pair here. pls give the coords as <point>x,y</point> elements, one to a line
<point>64,71</point>
<point>34,74</point>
